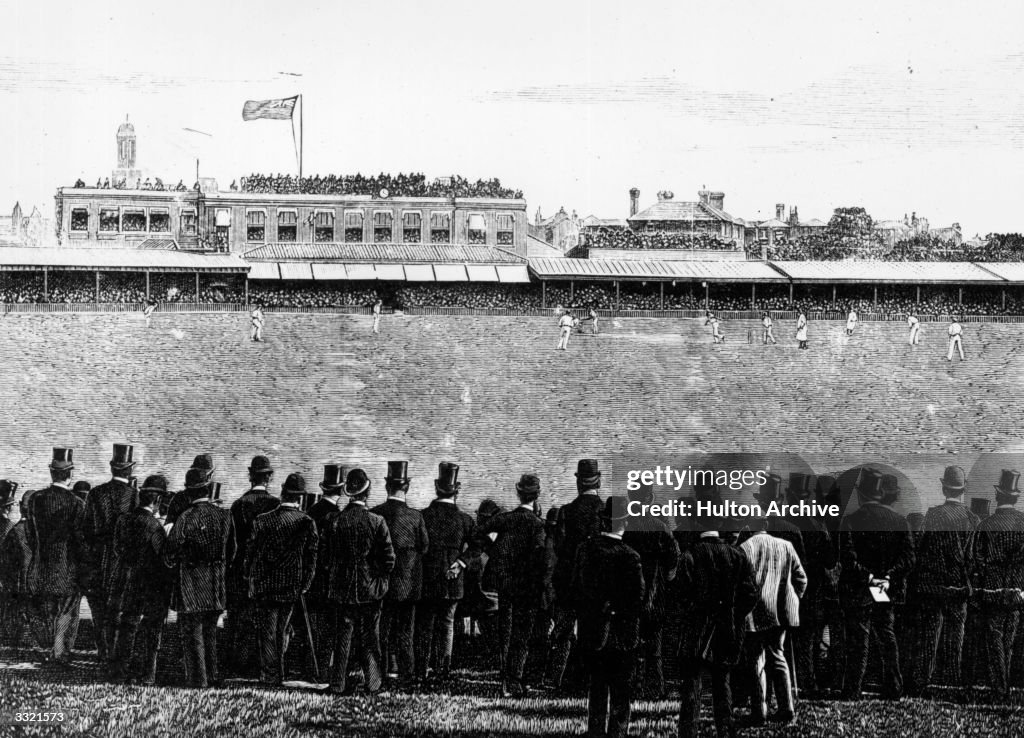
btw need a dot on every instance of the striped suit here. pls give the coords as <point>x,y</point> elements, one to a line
<point>999,553</point>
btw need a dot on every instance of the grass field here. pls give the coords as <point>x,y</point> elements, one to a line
<point>494,395</point>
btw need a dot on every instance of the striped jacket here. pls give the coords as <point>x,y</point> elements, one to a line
<point>999,550</point>
<point>59,553</point>
<point>945,553</point>
<point>780,579</point>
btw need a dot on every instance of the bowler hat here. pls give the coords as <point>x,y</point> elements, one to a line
<point>334,477</point>
<point>195,478</point>
<point>356,483</point>
<point>155,483</point>
<point>769,491</point>
<point>979,507</point>
<point>124,455</point>
<point>551,519</point>
<point>616,507</point>
<point>799,487</point>
<point>447,478</point>
<point>1008,482</point>
<point>488,508</point>
<point>869,485</point>
<point>8,490</point>
<point>294,483</point>
<point>204,462</point>
<point>528,484</point>
<point>260,465</point>
<point>63,459</point>
<point>953,478</point>
<point>587,471</point>
<point>398,471</point>
<point>81,488</point>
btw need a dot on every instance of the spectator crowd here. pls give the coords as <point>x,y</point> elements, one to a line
<point>624,238</point>
<point>400,185</point>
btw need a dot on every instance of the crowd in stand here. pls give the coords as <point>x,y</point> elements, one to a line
<point>823,247</point>
<point>595,596</point>
<point>399,185</point>
<point>624,238</point>
<point>156,184</point>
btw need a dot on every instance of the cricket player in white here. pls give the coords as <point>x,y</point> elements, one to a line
<point>915,329</point>
<point>376,316</point>
<point>851,322</point>
<point>955,340</point>
<point>801,330</point>
<point>766,331</point>
<point>565,325</point>
<point>147,311</point>
<point>716,333</point>
<point>257,319</point>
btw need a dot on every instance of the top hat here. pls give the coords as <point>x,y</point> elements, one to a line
<point>979,507</point>
<point>1008,482</point>
<point>616,507</point>
<point>260,465</point>
<point>155,483</point>
<point>204,462</point>
<point>295,483</point>
<point>8,490</point>
<point>398,471</point>
<point>124,455</point>
<point>356,483</point>
<point>799,487</point>
<point>587,471</point>
<point>769,491</point>
<point>954,479</point>
<point>195,478</point>
<point>528,484</point>
<point>825,487</point>
<point>447,478</point>
<point>334,478</point>
<point>869,485</point>
<point>63,458</point>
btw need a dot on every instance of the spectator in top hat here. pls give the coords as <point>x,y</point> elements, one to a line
<point>452,536</point>
<point>410,541</point>
<point>650,537</point>
<point>820,558</point>
<point>940,584</point>
<point>606,590</point>
<point>182,500</point>
<point>56,520</point>
<point>18,617</point>
<point>279,565</point>
<point>717,592</point>
<point>104,505</point>
<point>240,625</point>
<point>360,559</point>
<point>200,544</point>
<point>516,566</point>
<point>875,549</point>
<point>8,491</point>
<point>999,555</point>
<point>320,608</point>
<point>140,591</point>
<point>578,521</point>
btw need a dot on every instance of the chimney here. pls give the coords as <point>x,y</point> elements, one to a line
<point>794,216</point>
<point>634,202</point>
<point>704,197</point>
<point>664,195</point>
<point>716,200</point>
<point>780,211</point>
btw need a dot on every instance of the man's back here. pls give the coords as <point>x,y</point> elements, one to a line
<point>410,540</point>
<point>607,591</point>
<point>360,555</point>
<point>780,579</point>
<point>874,540</point>
<point>578,521</point>
<point>946,549</point>
<point>999,549</point>
<point>281,556</point>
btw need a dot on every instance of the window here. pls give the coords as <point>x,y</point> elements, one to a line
<point>440,228</point>
<point>255,225</point>
<point>323,226</point>
<point>383,226</point>
<point>354,226</point>
<point>287,225</point>
<point>412,227</point>
<point>79,219</point>
<point>477,229</point>
<point>506,229</point>
<point>110,220</point>
<point>188,222</point>
<point>133,221</point>
<point>159,221</point>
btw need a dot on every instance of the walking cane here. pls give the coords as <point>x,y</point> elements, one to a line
<point>309,636</point>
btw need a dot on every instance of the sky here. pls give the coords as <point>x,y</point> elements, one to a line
<point>896,107</point>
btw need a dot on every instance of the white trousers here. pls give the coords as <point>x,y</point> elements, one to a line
<point>563,338</point>
<point>955,342</point>
<point>914,331</point>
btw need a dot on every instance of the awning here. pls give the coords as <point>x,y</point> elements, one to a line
<point>223,218</point>
<point>476,222</point>
<point>450,273</point>
<point>517,273</point>
<point>393,272</point>
<point>324,272</point>
<point>296,270</point>
<point>265,270</point>
<point>15,258</point>
<point>634,270</point>
<point>419,272</point>
<point>878,272</point>
<point>481,273</point>
<point>360,271</point>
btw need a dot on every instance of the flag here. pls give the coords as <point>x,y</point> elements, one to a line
<point>271,109</point>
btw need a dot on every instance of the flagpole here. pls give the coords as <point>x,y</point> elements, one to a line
<point>302,138</point>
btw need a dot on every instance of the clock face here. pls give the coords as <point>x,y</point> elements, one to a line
<point>384,192</point>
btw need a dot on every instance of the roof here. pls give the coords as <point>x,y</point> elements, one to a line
<point>537,247</point>
<point>332,271</point>
<point>721,214</point>
<point>952,272</point>
<point>674,210</point>
<point>381,252</point>
<point>592,221</point>
<point>814,223</point>
<point>773,223</point>
<point>13,258</point>
<point>1011,271</point>
<point>614,269</point>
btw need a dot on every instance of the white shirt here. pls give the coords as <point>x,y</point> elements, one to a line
<point>853,317</point>
<point>912,321</point>
<point>565,321</point>
<point>616,536</point>
<point>333,500</point>
<point>766,322</point>
<point>955,329</point>
<point>449,500</point>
